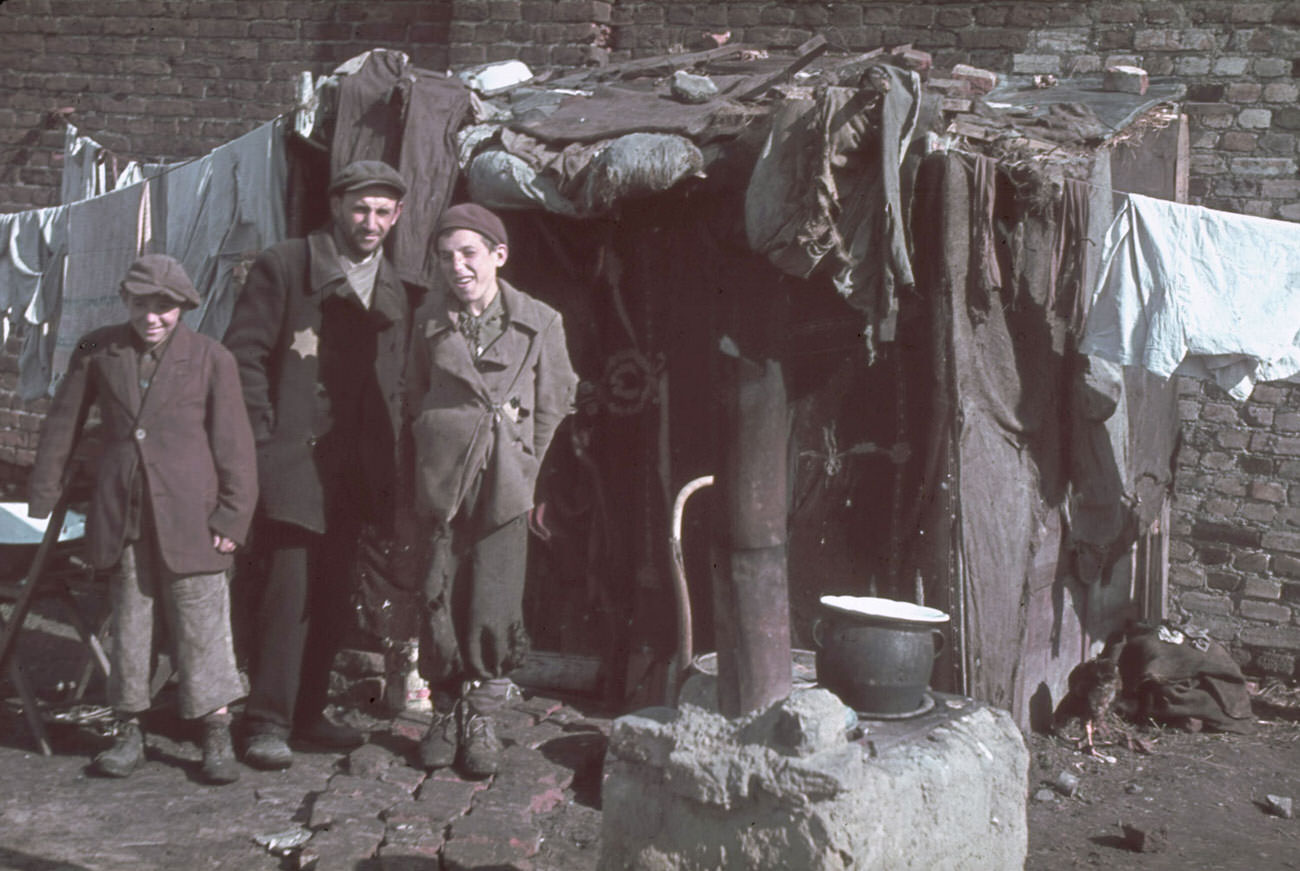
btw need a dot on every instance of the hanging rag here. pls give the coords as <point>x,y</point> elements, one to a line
<point>1193,291</point>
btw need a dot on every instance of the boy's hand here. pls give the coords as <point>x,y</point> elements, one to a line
<point>223,544</point>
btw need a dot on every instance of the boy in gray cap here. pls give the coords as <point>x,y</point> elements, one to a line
<point>487,384</point>
<point>175,488</point>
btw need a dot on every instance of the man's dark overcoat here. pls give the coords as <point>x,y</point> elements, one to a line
<point>275,333</point>
<point>190,438</point>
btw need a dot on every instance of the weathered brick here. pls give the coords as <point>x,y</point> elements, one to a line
<point>1267,394</point>
<point>1192,576</point>
<point>1255,119</point>
<point>1213,556</point>
<point>1258,512</point>
<point>1278,143</point>
<point>1283,541</point>
<point>1256,563</point>
<point>1267,611</point>
<point>1271,67</point>
<point>1283,637</point>
<point>1205,603</point>
<point>1225,582</point>
<point>1273,663</point>
<point>1262,588</point>
<point>1030,64</point>
<point>1244,92</point>
<point>1267,491</point>
<point>1231,66</point>
<point>1237,141</point>
<point>1229,485</point>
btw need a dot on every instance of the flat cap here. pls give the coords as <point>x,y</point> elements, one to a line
<point>367,173</point>
<point>472,216</point>
<point>160,274</point>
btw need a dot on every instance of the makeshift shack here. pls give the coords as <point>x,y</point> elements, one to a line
<point>849,287</point>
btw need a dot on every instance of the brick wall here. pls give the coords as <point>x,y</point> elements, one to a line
<point>154,79</point>
<point>167,79</point>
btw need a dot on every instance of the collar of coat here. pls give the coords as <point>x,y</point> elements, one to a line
<point>521,310</point>
<point>122,343</point>
<point>327,277</point>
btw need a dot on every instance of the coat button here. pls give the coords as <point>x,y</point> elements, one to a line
<point>311,442</point>
<point>140,434</point>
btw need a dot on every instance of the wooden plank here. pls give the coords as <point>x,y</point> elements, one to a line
<point>659,65</point>
<point>804,55</point>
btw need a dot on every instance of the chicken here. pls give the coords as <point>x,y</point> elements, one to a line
<point>1093,688</point>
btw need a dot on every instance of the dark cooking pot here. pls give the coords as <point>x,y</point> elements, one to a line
<point>877,654</point>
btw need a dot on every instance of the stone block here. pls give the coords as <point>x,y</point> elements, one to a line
<point>491,837</point>
<point>1125,79</point>
<point>1271,662</point>
<point>1205,603</point>
<point>446,798</point>
<point>1226,533</point>
<point>1284,541</point>
<point>1262,588</point>
<point>1269,612</point>
<point>981,81</point>
<point>1222,581</point>
<point>1030,64</point>
<point>352,798</point>
<point>1282,637</point>
<point>342,847</point>
<point>952,796</point>
<point>1255,119</point>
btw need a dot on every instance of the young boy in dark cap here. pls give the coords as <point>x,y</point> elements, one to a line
<point>488,383</point>
<point>175,488</point>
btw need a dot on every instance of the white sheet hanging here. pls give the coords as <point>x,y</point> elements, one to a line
<point>1193,291</point>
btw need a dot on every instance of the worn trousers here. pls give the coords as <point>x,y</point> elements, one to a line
<point>299,619</point>
<point>196,617</point>
<point>485,634</point>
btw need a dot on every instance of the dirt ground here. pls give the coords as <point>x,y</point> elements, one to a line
<point>1199,799</point>
<point>1190,800</point>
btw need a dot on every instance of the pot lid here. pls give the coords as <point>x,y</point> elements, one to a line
<point>888,609</point>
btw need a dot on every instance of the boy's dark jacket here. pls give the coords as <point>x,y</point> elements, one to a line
<point>192,434</point>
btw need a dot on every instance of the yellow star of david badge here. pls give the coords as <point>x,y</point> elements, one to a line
<point>304,343</point>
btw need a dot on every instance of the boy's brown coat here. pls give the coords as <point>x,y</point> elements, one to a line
<point>191,435</point>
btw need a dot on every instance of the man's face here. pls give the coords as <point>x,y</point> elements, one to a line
<point>362,219</point>
<point>469,264</point>
<point>153,316</point>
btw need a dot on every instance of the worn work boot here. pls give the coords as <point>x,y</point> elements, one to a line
<point>219,765</point>
<point>439,745</point>
<point>492,695</point>
<point>328,735</point>
<point>480,748</point>
<point>268,751</point>
<point>126,754</point>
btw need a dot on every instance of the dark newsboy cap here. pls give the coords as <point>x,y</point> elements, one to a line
<point>367,173</point>
<point>160,274</point>
<point>472,216</point>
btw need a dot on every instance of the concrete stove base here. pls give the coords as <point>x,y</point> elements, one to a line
<point>807,784</point>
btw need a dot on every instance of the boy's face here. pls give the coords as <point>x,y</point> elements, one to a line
<point>469,264</point>
<point>153,316</point>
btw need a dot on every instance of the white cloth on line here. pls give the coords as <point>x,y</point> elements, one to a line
<point>1193,291</point>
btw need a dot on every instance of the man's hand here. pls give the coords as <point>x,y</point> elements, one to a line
<point>223,544</point>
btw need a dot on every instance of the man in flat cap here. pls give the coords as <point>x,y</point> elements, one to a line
<point>175,489</point>
<point>488,382</point>
<point>320,333</point>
